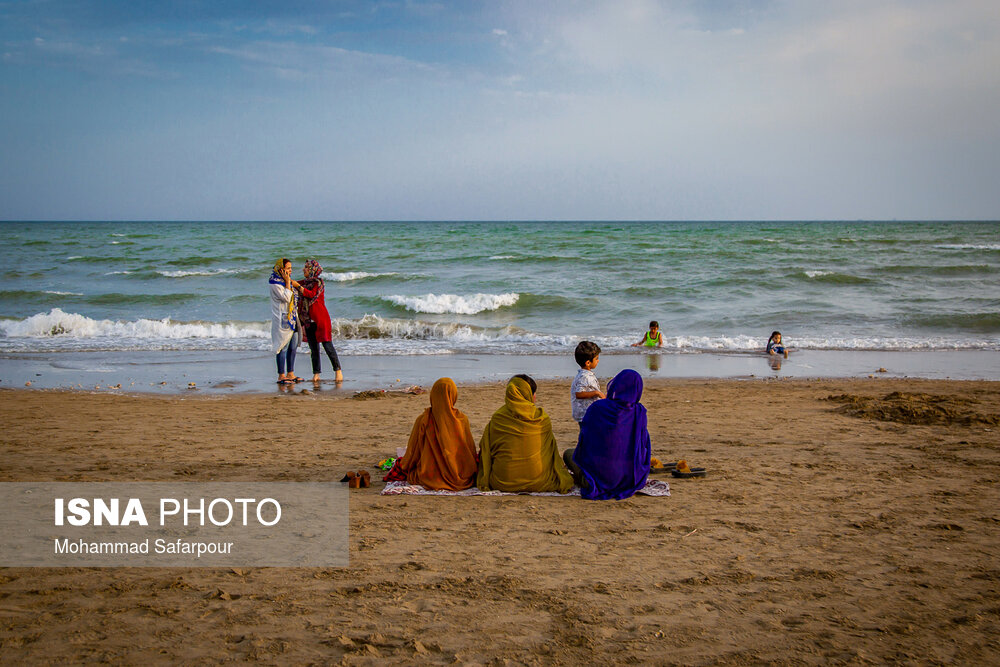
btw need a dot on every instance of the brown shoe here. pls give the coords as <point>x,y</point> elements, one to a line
<point>364,479</point>
<point>352,480</point>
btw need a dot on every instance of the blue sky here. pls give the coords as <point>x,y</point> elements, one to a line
<point>517,110</point>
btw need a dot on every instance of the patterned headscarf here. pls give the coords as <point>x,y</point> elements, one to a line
<point>312,269</point>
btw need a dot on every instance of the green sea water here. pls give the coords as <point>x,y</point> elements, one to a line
<point>507,288</point>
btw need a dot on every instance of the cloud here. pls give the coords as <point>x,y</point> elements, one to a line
<point>101,57</point>
<point>307,60</point>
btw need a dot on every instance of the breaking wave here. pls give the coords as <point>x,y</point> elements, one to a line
<point>371,334</point>
<point>439,304</point>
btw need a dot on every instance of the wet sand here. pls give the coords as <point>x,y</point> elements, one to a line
<point>862,528</point>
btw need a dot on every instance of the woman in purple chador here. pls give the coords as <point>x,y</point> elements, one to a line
<point>611,458</point>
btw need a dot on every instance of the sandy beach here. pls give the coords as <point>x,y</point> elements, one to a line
<point>861,528</point>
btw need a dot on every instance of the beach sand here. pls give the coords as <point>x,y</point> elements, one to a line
<point>857,530</point>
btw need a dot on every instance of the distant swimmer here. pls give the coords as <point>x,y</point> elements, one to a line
<point>774,345</point>
<point>653,337</point>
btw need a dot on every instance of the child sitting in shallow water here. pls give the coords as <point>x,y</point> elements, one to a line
<point>652,338</point>
<point>774,345</point>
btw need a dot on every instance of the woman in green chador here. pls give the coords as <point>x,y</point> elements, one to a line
<point>518,451</point>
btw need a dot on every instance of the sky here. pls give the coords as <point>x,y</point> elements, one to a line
<point>499,110</point>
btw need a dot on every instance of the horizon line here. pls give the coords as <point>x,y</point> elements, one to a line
<point>500,220</point>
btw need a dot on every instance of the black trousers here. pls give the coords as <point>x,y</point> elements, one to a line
<point>314,349</point>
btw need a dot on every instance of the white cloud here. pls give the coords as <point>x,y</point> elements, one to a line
<point>310,60</point>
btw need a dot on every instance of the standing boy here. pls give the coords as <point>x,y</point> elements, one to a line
<point>585,388</point>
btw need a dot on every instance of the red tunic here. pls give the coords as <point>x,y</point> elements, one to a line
<point>317,311</point>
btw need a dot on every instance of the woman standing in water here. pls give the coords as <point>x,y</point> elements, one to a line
<point>284,323</point>
<point>315,320</point>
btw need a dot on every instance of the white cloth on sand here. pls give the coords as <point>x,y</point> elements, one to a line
<point>654,487</point>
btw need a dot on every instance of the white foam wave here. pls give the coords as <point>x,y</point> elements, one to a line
<point>454,303</point>
<point>817,274</point>
<point>118,273</point>
<point>373,327</point>
<point>374,335</point>
<point>63,293</point>
<point>503,257</point>
<point>72,257</point>
<point>349,276</point>
<point>57,323</point>
<point>969,246</point>
<point>203,272</point>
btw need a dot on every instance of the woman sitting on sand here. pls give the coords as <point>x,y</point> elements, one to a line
<point>518,451</point>
<point>441,453</point>
<point>611,458</point>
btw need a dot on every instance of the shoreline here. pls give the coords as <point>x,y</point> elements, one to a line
<point>236,372</point>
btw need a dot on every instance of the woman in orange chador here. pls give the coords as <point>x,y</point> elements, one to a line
<point>441,453</point>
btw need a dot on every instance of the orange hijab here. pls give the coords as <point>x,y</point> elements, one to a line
<point>441,453</point>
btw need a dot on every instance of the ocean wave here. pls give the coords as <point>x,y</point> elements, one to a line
<point>948,270</point>
<point>371,334</point>
<point>40,297</point>
<point>118,299</point>
<point>204,272</point>
<point>968,246</point>
<point>545,259</point>
<point>195,261</point>
<point>355,276</point>
<point>439,304</point>
<point>58,323</point>
<point>89,259</point>
<point>374,327</point>
<point>831,277</point>
<point>988,322</point>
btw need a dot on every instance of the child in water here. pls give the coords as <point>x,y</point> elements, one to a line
<point>653,337</point>
<point>774,345</point>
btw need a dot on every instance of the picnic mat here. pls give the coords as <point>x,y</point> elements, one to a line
<point>654,487</point>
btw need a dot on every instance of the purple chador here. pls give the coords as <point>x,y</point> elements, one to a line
<point>613,450</point>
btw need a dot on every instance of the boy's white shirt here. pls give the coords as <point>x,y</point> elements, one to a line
<point>584,381</point>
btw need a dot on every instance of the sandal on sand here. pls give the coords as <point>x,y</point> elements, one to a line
<point>284,381</point>
<point>297,379</point>
<point>352,480</point>
<point>364,479</point>
<point>682,470</point>
<point>655,465</point>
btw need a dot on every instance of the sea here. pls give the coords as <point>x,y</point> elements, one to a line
<point>412,289</point>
